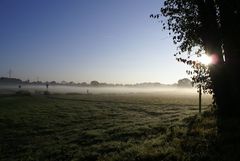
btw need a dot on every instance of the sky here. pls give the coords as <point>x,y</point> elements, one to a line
<point>113,41</point>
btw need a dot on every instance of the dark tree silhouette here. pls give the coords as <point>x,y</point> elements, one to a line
<point>185,82</point>
<point>212,27</point>
<point>94,83</point>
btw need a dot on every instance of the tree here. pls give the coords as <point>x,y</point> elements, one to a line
<point>211,27</point>
<point>94,83</point>
<point>185,82</point>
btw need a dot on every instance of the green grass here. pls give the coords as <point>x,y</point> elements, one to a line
<point>104,127</point>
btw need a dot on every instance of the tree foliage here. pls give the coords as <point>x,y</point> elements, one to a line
<point>210,27</point>
<point>184,21</point>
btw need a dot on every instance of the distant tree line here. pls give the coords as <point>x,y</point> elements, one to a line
<point>185,82</point>
<point>10,80</point>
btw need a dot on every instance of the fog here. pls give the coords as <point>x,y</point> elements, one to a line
<point>98,90</point>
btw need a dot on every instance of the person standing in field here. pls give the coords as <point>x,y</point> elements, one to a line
<point>47,85</point>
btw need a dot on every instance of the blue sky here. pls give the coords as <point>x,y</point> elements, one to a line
<point>111,41</point>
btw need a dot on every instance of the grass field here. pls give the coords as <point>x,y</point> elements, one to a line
<point>104,127</point>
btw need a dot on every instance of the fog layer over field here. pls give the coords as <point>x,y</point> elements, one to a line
<point>98,90</point>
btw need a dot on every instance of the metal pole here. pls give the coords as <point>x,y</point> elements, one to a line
<point>200,99</point>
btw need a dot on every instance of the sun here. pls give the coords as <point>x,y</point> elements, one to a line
<point>205,59</point>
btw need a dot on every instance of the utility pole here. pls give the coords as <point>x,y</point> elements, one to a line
<point>10,73</point>
<point>200,98</point>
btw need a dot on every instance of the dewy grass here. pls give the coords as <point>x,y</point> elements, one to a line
<point>103,128</point>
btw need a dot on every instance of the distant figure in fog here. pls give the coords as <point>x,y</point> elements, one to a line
<point>19,86</point>
<point>87,91</point>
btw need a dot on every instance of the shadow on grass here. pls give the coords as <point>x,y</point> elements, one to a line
<point>201,137</point>
<point>228,143</point>
<point>212,139</point>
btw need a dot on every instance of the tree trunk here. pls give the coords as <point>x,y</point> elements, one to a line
<point>230,26</point>
<point>213,45</point>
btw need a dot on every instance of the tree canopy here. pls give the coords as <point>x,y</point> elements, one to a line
<point>210,27</point>
<point>185,82</point>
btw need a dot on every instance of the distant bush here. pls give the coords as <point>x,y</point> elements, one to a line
<point>23,93</point>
